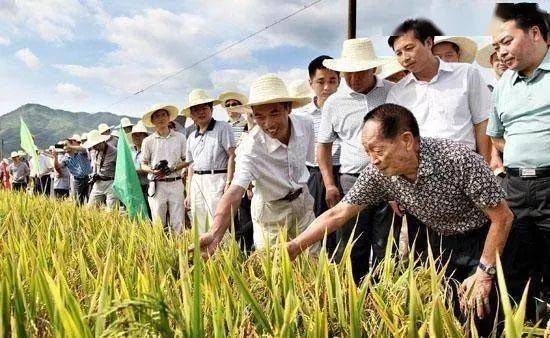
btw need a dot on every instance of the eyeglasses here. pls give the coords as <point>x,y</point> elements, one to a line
<point>232,104</point>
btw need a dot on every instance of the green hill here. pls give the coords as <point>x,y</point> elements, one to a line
<point>49,125</point>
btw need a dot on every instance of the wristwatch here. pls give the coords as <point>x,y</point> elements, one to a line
<point>491,270</point>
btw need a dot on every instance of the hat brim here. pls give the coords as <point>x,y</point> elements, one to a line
<point>467,47</point>
<point>172,111</point>
<point>186,111</point>
<point>297,102</point>
<point>90,143</point>
<point>483,57</point>
<point>352,66</point>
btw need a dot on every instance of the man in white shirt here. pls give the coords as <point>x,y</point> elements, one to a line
<point>449,100</point>
<point>272,157</point>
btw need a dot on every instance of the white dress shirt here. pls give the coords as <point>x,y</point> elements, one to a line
<point>449,105</point>
<point>275,168</point>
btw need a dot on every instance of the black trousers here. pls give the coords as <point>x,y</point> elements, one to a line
<point>19,186</point>
<point>82,190</point>
<point>372,227</point>
<point>317,190</point>
<point>42,185</point>
<point>244,233</point>
<point>527,252</point>
<point>61,193</point>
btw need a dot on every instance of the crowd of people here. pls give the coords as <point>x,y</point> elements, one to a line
<point>418,141</point>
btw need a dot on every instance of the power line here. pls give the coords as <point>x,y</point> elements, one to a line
<point>219,51</point>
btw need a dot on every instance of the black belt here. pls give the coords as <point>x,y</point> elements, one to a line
<point>350,174</point>
<point>529,173</point>
<point>105,178</point>
<point>210,172</point>
<point>292,195</point>
<point>169,179</point>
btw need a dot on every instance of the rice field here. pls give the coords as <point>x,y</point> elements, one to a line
<point>72,272</point>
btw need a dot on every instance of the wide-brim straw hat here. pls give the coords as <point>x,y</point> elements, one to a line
<point>225,96</point>
<point>139,128</point>
<point>125,122</point>
<point>172,111</point>
<point>357,55</point>
<point>94,138</point>
<point>483,57</point>
<point>75,137</point>
<point>84,137</point>
<point>467,47</point>
<point>21,153</point>
<point>197,97</point>
<point>14,154</point>
<point>104,127</point>
<point>300,88</point>
<point>271,89</point>
<point>393,66</point>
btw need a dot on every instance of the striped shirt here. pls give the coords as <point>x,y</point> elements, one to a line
<point>238,128</point>
<point>315,114</point>
<point>342,118</point>
<point>210,151</point>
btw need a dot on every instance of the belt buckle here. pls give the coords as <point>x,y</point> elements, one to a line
<point>527,172</point>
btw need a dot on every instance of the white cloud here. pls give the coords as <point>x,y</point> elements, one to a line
<point>4,40</point>
<point>70,90</point>
<point>28,58</point>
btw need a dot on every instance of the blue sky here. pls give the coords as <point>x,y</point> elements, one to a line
<point>85,55</point>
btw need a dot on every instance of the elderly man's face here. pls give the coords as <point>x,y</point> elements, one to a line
<point>201,114</point>
<point>391,157</point>
<point>446,51</point>
<point>515,47</point>
<point>412,53</point>
<point>273,119</point>
<point>360,82</point>
<point>160,118</point>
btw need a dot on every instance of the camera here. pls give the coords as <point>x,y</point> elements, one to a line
<point>163,167</point>
<point>59,146</point>
<point>93,178</point>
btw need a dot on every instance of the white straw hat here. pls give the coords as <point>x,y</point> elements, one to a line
<point>84,137</point>
<point>21,153</point>
<point>94,138</point>
<point>467,47</point>
<point>103,127</point>
<point>393,66</point>
<point>271,89</point>
<point>125,122</point>
<point>75,137</point>
<point>139,128</point>
<point>197,97</point>
<point>172,111</point>
<point>300,88</point>
<point>483,57</point>
<point>357,55</point>
<point>233,96</point>
<point>14,154</point>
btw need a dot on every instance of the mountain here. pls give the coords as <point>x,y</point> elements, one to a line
<point>49,125</point>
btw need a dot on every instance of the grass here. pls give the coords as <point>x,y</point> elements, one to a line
<point>72,272</point>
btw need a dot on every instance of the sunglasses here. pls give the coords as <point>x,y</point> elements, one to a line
<point>232,104</point>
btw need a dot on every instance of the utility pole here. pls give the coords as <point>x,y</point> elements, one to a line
<point>352,18</point>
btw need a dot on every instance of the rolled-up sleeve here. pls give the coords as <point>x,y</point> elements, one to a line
<point>479,96</point>
<point>189,153</point>
<point>146,151</point>
<point>326,128</point>
<point>245,169</point>
<point>226,137</point>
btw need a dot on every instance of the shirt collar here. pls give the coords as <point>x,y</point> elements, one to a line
<point>170,134</point>
<point>544,65</point>
<point>443,67</point>
<point>210,127</point>
<point>295,133</point>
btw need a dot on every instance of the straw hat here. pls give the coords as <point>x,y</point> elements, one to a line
<point>233,96</point>
<point>172,111</point>
<point>196,97</point>
<point>357,55</point>
<point>483,57</point>
<point>94,138</point>
<point>467,47</point>
<point>84,137</point>
<point>139,128</point>
<point>103,127</point>
<point>300,88</point>
<point>125,122</point>
<point>14,154</point>
<point>5,161</point>
<point>393,66</point>
<point>75,137</point>
<point>271,89</point>
<point>21,153</point>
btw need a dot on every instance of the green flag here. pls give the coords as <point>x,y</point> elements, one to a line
<point>27,143</point>
<point>126,185</point>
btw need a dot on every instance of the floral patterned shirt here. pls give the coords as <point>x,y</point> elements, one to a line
<point>453,187</point>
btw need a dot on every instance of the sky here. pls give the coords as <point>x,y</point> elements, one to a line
<point>87,55</point>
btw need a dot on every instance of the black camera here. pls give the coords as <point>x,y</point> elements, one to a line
<point>59,146</point>
<point>163,167</point>
<point>93,178</point>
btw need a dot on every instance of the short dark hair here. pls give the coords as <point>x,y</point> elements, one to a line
<point>526,15</point>
<point>422,29</point>
<point>394,120</point>
<point>317,63</point>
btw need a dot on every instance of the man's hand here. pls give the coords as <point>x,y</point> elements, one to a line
<point>496,162</point>
<point>250,193</point>
<point>187,203</point>
<point>397,208</point>
<point>333,196</point>
<point>208,244</point>
<point>293,250</point>
<point>474,293</point>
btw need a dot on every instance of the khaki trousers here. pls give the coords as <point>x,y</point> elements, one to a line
<point>206,192</point>
<point>102,192</point>
<point>292,218</point>
<point>168,199</point>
